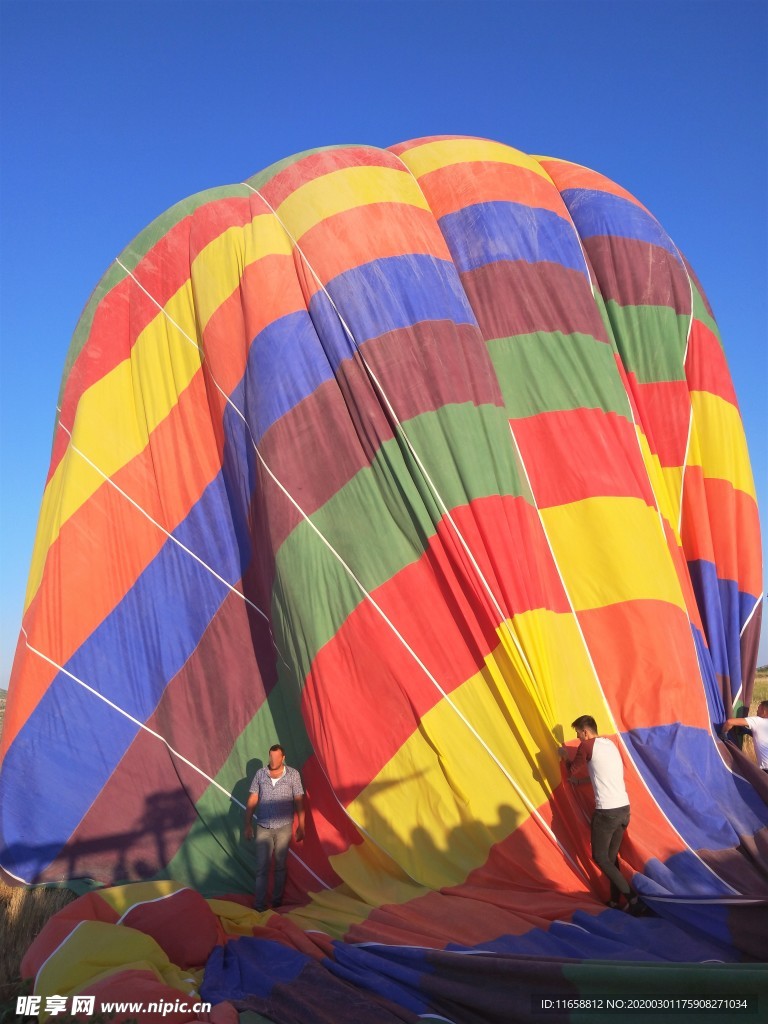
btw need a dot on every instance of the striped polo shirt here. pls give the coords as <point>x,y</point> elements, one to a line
<point>275,807</point>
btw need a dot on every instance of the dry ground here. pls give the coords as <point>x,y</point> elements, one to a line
<point>23,912</point>
<point>761,687</point>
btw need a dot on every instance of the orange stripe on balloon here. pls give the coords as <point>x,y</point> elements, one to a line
<point>705,365</point>
<point>368,233</point>
<point>646,679</point>
<point>162,271</point>
<point>459,186</point>
<point>663,412</point>
<point>720,525</point>
<point>68,570</point>
<point>581,453</point>
<point>567,175</point>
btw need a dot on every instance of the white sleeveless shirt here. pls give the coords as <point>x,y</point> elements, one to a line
<point>606,772</point>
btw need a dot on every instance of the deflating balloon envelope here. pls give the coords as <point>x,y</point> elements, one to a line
<point>404,459</point>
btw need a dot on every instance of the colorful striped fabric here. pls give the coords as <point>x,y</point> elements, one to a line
<point>161,943</point>
<point>405,459</point>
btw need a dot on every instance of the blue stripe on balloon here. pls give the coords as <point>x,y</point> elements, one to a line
<point>699,918</point>
<point>145,640</point>
<point>129,659</point>
<point>388,295</point>
<point>490,232</point>
<point>250,967</point>
<point>370,968</point>
<point>57,765</point>
<point>266,391</point>
<point>601,213</point>
<point>712,689</point>
<point>711,808</point>
<point>723,610</point>
<point>614,935</point>
<point>681,874</point>
<point>373,300</point>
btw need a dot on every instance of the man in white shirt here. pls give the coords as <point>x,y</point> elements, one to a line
<point>758,725</point>
<point>598,761</point>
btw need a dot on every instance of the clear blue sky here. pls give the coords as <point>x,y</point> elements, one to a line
<point>113,111</point>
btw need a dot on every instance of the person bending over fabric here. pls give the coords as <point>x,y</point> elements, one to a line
<point>277,792</point>
<point>758,726</point>
<point>597,760</point>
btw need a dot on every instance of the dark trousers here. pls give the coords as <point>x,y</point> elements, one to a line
<point>608,828</point>
<point>270,842</point>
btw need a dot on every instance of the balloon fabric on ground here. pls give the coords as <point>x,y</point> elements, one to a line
<point>405,459</point>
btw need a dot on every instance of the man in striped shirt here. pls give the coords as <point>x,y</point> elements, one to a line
<point>277,792</point>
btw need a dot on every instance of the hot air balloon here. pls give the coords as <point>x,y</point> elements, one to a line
<point>404,458</point>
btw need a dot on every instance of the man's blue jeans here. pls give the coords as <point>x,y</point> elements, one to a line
<point>269,842</point>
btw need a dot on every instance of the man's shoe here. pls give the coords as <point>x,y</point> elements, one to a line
<point>637,908</point>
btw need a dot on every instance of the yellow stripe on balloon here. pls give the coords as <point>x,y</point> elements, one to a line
<point>558,656</point>
<point>422,804</point>
<point>666,483</point>
<point>371,879</point>
<point>478,764</point>
<point>611,550</point>
<point>116,416</point>
<point>433,155</point>
<point>219,267</point>
<point>673,482</point>
<point>436,807</point>
<point>72,475</point>
<point>122,897</point>
<point>344,190</point>
<point>161,365</point>
<point>718,444</point>
<point>95,949</point>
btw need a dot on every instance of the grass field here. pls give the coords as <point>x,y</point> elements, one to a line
<point>760,691</point>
